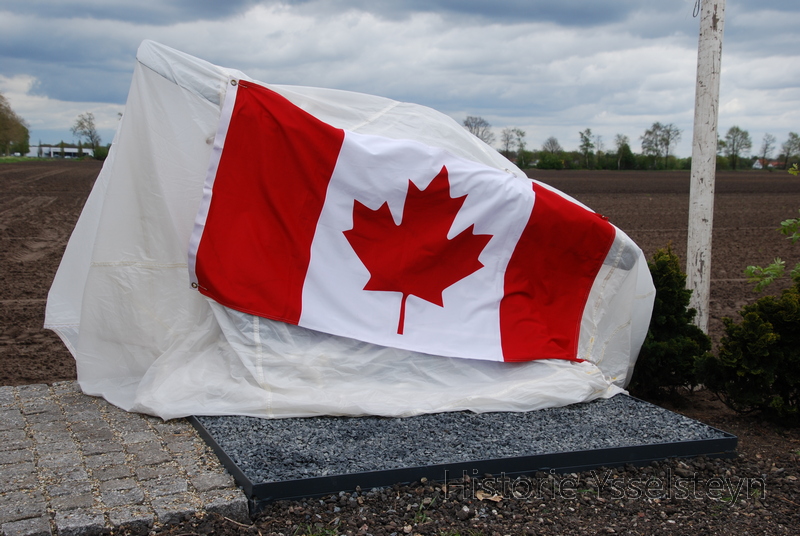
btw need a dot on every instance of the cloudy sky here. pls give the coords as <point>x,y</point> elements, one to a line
<point>551,68</point>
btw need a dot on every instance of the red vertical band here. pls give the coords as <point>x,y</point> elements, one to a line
<point>549,277</point>
<point>270,186</point>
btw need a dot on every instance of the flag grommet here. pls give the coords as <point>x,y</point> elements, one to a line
<point>234,82</point>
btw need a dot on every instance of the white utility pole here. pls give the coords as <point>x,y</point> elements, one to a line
<point>704,158</point>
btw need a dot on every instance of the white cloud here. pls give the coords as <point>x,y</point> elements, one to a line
<point>535,65</point>
<point>45,114</point>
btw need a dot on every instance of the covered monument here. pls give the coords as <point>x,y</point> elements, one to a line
<point>276,251</point>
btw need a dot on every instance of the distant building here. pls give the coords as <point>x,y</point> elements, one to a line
<point>55,151</point>
<point>760,163</point>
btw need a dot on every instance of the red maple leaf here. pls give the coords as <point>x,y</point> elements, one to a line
<point>416,257</point>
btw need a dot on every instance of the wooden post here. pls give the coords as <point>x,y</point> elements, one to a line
<point>704,158</point>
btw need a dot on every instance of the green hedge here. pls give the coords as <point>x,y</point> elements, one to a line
<point>673,344</point>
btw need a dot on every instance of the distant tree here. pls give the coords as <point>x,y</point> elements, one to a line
<point>480,127</point>
<point>524,159</point>
<point>14,135</point>
<point>652,142</point>
<point>84,127</point>
<point>737,144</point>
<point>791,147</point>
<point>552,146</point>
<point>519,139</point>
<point>621,141</point>
<point>670,137</point>
<point>599,146</point>
<point>658,140</point>
<point>506,141</point>
<point>512,137</point>
<point>549,160</point>
<point>625,159</point>
<point>586,145</point>
<point>767,146</point>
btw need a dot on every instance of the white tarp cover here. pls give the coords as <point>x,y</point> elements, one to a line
<point>146,341</point>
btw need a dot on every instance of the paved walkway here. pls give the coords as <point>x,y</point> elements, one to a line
<point>72,464</point>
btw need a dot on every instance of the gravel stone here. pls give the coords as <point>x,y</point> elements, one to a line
<point>149,472</point>
<point>148,454</point>
<point>165,486</point>
<point>8,396</point>
<point>230,503</point>
<point>110,473</point>
<point>135,520</point>
<point>17,477</point>
<point>35,526</point>
<point>80,487</point>
<point>105,460</point>
<point>11,419</point>
<point>16,456</point>
<point>72,502</point>
<point>173,508</point>
<point>122,497</point>
<point>91,447</point>
<point>68,458</point>
<point>276,450</point>
<point>209,481</point>
<point>18,505</point>
<point>80,523</point>
<point>145,436</point>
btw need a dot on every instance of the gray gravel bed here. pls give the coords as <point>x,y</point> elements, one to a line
<point>276,450</point>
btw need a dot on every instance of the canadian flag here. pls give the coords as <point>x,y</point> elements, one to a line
<point>388,241</point>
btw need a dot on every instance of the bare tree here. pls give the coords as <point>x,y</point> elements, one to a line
<point>519,139</point>
<point>737,144</point>
<point>790,147</point>
<point>84,127</point>
<point>767,146</point>
<point>551,145</point>
<point>480,127</point>
<point>670,136</point>
<point>620,142</point>
<point>506,140</point>
<point>651,141</point>
<point>586,144</point>
<point>599,146</point>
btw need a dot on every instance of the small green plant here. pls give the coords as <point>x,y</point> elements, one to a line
<point>421,515</point>
<point>763,277</point>
<point>673,343</point>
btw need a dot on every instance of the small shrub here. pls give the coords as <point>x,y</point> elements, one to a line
<point>673,343</point>
<point>758,367</point>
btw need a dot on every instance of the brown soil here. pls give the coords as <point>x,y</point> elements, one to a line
<point>40,203</point>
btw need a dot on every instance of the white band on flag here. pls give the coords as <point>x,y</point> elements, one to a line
<point>216,153</point>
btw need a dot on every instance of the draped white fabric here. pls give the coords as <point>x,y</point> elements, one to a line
<point>147,342</point>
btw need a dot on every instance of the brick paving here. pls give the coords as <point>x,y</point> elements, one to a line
<point>72,464</point>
